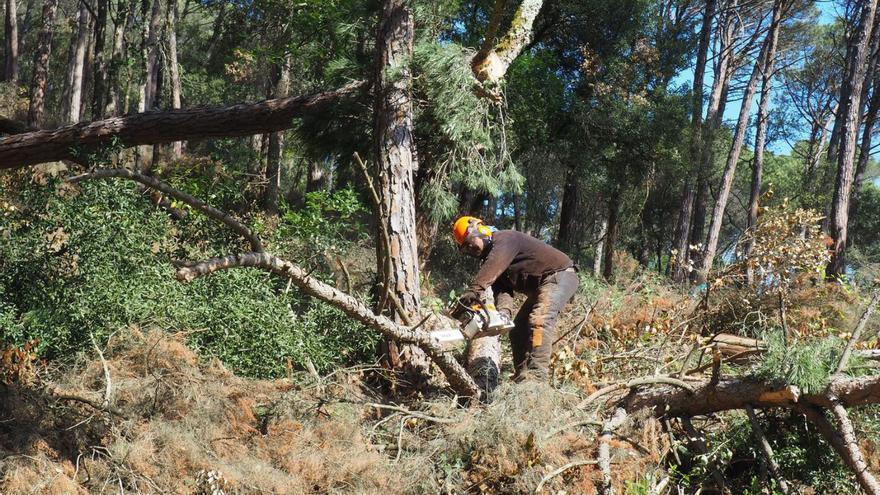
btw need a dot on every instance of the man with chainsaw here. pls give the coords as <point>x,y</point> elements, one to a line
<point>512,261</point>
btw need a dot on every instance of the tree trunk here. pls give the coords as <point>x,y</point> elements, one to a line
<point>709,250</point>
<point>761,137</point>
<point>569,211</point>
<point>164,127</point>
<point>724,69</point>
<point>279,87</point>
<point>851,92</point>
<point>600,244</point>
<point>75,60</point>
<point>99,75</point>
<point>174,76</point>
<point>10,72</point>
<point>611,234</point>
<point>41,66</point>
<point>149,60</point>
<point>125,12</point>
<point>685,213</point>
<point>396,166</point>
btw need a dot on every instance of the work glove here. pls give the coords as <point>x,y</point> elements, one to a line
<point>470,297</point>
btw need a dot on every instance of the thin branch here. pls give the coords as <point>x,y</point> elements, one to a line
<point>415,414</point>
<point>560,470</point>
<point>608,428</point>
<point>384,237</point>
<point>152,182</point>
<point>767,450</point>
<point>857,334</point>
<point>108,387</point>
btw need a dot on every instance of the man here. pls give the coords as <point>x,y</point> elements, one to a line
<point>512,261</point>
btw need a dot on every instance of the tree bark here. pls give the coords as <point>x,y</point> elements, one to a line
<point>569,213</point>
<point>490,65</point>
<point>99,75</point>
<point>174,76</point>
<point>75,60</point>
<point>686,210</point>
<point>37,104</point>
<point>280,84</point>
<point>611,234</point>
<point>851,93</point>
<point>724,68</point>
<point>396,166</point>
<point>164,127</point>
<point>600,245</point>
<point>709,250</point>
<point>761,137</point>
<point>10,72</point>
<point>149,61</point>
<point>125,11</point>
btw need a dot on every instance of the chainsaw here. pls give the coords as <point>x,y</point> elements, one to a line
<point>475,321</point>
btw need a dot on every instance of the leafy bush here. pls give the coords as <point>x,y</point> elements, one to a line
<point>96,258</point>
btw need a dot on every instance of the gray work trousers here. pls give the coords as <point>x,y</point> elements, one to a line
<point>535,325</point>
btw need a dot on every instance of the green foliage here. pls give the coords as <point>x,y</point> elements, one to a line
<point>460,134</point>
<point>806,364</point>
<point>327,221</point>
<point>98,258</point>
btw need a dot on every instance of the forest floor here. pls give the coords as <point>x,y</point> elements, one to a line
<point>147,415</point>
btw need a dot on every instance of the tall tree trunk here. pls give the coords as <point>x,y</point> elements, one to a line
<point>851,92</point>
<point>396,167</point>
<point>569,213</point>
<point>686,210</point>
<point>761,137</point>
<point>600,248</point>
<point>10,72</point>
<point>41,65</point>
<point>149,59</point>
<point>711,246</point>
<point>724,69</point>
<point>280,84</point>
<point>611,234</point>
<point>99,75</point>
<point>174,76</point>
<point>75,60</point>
<point>125,10</point>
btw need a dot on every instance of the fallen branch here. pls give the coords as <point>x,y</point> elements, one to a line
<point>562,469</point>
<point>95,404</point>
<point>767,450</point>
<point>737,393</point>
<point>415,414</point>
<point>152,182</point>
<point>108,384</point>
<point>695,438</point>
<point>636,382</point>
<point>458,378</point>
<point>857,334</point>
<point>69,142</point>
<point>608,428</point>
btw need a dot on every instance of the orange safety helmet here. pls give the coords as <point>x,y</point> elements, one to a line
<point>463,228</point>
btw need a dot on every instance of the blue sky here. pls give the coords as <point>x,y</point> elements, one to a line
<point>828,12</point>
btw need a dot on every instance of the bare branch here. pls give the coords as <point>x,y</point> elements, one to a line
<point>767,450</point>
<point>857,334</point>
<point>415,414</point>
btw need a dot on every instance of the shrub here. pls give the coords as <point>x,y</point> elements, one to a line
<point>96,258</point>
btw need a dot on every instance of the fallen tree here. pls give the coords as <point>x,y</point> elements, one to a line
<point>75,141</point>
<point>459,379</point>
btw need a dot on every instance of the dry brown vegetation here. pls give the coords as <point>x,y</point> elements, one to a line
<point>190,425</point>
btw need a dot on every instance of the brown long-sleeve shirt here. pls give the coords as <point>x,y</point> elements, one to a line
<point>516,262</point>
